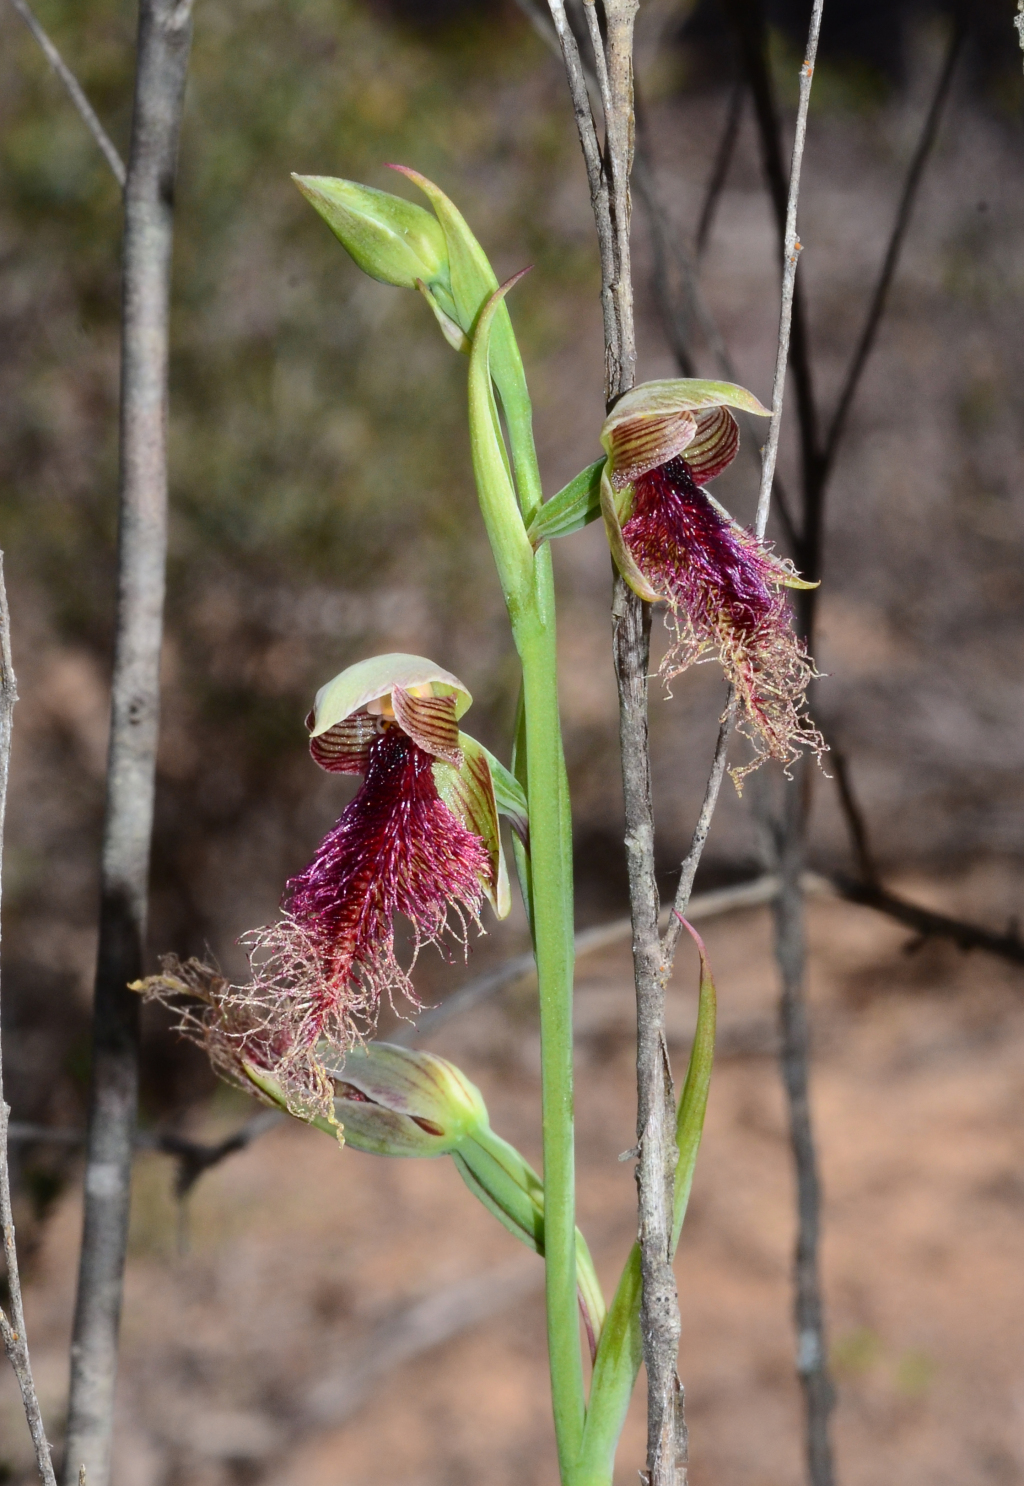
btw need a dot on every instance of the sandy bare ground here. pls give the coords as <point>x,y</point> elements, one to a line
<point>284,1345</point>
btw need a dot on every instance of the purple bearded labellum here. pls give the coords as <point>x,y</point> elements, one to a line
<point>420,838</point>
<point>673,543</point>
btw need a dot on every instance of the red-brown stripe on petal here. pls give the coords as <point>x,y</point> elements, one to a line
<point>430,722</point>
<point>713,447</point>
<point>345,748</point>
<point>645,441</point>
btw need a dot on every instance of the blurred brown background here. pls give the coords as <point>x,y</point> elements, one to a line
<point>323,510</point>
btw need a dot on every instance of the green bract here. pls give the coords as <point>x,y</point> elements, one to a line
<point>393,240</point>
<point>575,506</point>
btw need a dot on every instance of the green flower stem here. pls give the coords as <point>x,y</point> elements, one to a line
<point>620,1352</point>
<point>551,864</point>
<point>528,585</point>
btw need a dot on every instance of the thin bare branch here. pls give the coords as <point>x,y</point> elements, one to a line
<point>667,244</point>
<point>620,127</point>
<point>794,1058</point>
<point>915,173</point>
<point>675,322</point>
<point>752,36</point>
<point>670,243</point>
<point>692,859</point>
<point>600,60</point>
<point>856,824</point>
<point>670,939</point>
<point>75,92</point>
<point>789,837</point>
<point>928,925</point>
<point>756,893</point>
<point>596,176</point>
<point>748,18</point>
<point>164,40</point>
<point>631,625</point>
<point>12,1328</point>
<point>791,253</point>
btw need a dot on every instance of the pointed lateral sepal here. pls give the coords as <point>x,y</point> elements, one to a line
<point>391,239</point>
<point>510,798</point>
<point>621,555</point>
<point>270,1091</point>
<point>575,506</point>
<point>468,791</point>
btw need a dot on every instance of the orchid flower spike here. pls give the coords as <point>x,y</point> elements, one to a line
<point>420,838</point>
<point>673,542</point>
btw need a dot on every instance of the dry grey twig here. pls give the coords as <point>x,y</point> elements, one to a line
<point>164,40</point>
<point>791,252</point>
<point>12,1328</point>
<point>75,92</point>
<point>631,621</point>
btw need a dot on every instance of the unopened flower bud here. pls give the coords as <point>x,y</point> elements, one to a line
<point>391,239</point>
<point>396,1102</point>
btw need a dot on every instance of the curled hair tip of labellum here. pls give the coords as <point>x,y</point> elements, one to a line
<point>725,595</point>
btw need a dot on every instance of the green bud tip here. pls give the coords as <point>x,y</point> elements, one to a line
<point>391,239</point>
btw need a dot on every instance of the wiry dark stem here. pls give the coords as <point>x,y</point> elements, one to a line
<point>674,319</point>
<point>720,169</point>
<point>925,145</point>
<point>162,60</point>
<point>808,1307</point>
<point>597,178</point>
<point>856,825</point>
<point>794,351</point>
